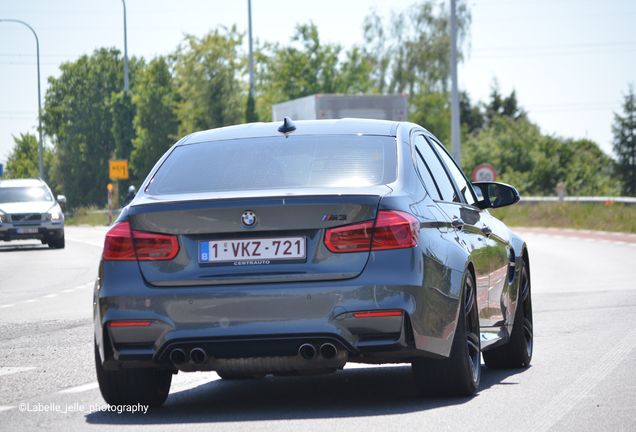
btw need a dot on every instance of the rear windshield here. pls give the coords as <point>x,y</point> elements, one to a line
<point>277,163</point>
<point>24,194</point>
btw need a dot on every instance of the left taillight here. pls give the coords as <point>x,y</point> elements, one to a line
<point>392,230</point>
<point>124,244</point>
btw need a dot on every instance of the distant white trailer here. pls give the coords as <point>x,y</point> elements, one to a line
<point>335,106</point>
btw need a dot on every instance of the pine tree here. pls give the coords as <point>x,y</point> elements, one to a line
<point>624,130</point>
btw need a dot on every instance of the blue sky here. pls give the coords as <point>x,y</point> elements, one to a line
<point>570,61</point>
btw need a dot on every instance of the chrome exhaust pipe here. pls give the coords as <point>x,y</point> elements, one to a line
<point>178,356</point>
<point>307,351</point>
<point>328,351</point>
<point>198,355</point>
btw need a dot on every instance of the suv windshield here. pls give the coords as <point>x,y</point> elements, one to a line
<point>278,163</point>
<point>24,194</point>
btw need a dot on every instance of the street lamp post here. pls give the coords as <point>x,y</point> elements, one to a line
<point>125,51</point>
<point>37,44</point>
<point>455,123</point>
<point>249,14</point>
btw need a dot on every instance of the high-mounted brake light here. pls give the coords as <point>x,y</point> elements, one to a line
<point>124,244</point>
<point>392,230</point>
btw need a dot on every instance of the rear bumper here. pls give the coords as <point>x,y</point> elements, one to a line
<point>267,323</point>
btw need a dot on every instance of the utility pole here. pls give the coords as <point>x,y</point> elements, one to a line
<point>249,13</point>
<point>37,45</point>
<point>125,51</point>
<point>455,130</point>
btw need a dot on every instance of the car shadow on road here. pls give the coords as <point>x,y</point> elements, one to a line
<point>348,393</point>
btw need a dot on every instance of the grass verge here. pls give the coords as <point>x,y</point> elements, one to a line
<point>87,216</point>
<point>589,216</point>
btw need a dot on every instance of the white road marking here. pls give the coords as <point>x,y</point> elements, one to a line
<point>12,370</point>
<point>82,388</point>
<point>81,287</point>
<point>5,407</point>
<point>560,405</point>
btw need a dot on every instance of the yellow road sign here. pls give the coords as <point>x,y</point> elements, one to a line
<point>118,169</point>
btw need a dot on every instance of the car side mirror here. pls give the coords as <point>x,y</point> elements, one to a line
<point>495,195</point>
<point>61,199</point>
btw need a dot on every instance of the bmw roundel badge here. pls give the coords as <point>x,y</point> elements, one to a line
<point>248,219</point>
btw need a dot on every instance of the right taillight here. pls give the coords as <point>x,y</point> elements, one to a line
<point>123,244</point>
<point>395,230</point>
<point>392,230</point>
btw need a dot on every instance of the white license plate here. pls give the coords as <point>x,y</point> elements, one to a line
<point>27,230</point>
<point>281,248</point>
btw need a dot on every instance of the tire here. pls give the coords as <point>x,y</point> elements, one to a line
<point>133,386</point>
<point>458,375</point>
<point>57,244</point>
<point>517,352</point>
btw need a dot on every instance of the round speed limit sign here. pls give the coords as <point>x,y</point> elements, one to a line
<point>484,172</point>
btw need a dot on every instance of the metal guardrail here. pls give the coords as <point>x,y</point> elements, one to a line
<point>624,200</point>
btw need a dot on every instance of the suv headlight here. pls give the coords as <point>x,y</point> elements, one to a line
<point>3,218</point>
<point>55,216</point>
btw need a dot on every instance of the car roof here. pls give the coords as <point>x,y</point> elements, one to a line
<point>303,127</point>
<point>21,183</point>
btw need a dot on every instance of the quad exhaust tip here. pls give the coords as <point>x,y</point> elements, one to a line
<point>198,355</point>
<point>307,351</point>
<point>178,356</point>
<point>328,351</point>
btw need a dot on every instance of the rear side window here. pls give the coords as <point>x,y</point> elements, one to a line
<point>443,182</point>
<point>465,188</point>
<point>277,163</point>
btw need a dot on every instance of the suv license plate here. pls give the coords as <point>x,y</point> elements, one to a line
<point>280,248</point>
<point>27,230</point>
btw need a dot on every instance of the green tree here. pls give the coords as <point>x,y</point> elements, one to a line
<point>624,131</point>
<point>535,163</point>
<point>432,110</point>
<point>503,106</point>
<point>411,53</point>
<point>24,159</point>
<point>471,117</point>
<point>207,77</point>
<point>156,123</point>
<point>307,67</point>
<point>589,170</point>
<point>123,112</point>
<point>79,119</point>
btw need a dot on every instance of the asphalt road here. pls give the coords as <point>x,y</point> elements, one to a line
<point>582,376</point>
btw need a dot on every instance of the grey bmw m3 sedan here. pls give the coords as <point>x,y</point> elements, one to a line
<point>295,248</point>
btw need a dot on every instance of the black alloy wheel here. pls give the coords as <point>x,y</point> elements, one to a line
<point>458,375</point>
<point>517,353</point>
